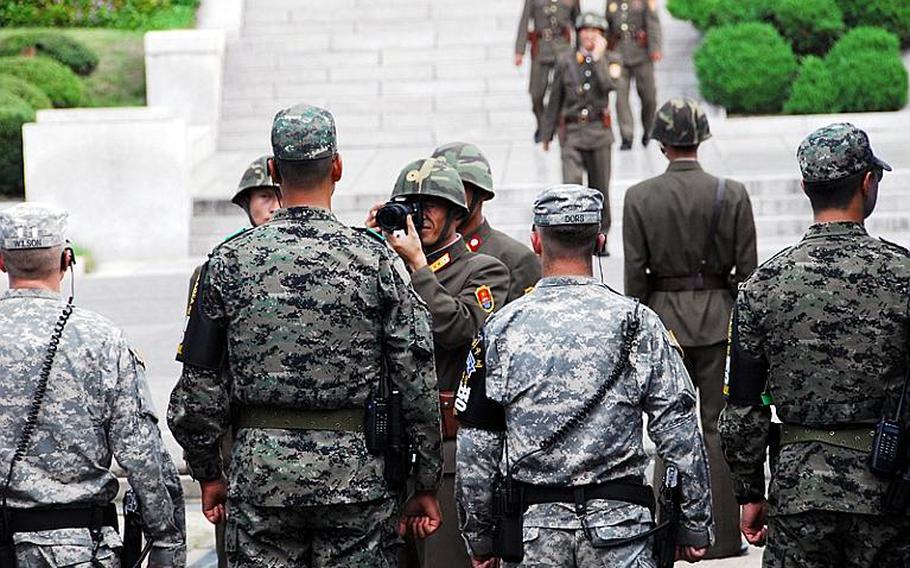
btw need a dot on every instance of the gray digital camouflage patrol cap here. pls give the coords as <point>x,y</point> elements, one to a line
<point>304,132</point>
<point>32,226</point>
<point>568,205</point>
<point>835,152</point>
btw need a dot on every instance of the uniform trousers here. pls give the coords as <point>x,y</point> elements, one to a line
<point>568,548</point>
<point>67,547</point>
<point>541,75</point>
<point>578,160</point>
<point>643,74</point>
<point>826,539</point>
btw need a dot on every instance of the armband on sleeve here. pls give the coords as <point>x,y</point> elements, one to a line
<point>748,374</point>
<point>204,339</point>
<point>472,407</point>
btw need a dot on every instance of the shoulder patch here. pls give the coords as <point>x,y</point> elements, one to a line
<point>895,246</point>
<point>485,298</point>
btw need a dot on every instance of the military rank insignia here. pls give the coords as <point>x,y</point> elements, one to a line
<point>441,262</point>
<point>485,298</point>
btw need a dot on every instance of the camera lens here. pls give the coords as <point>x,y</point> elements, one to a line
<point>393,217</point>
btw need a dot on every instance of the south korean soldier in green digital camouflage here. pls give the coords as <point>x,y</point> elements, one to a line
<point>304,311</point>
<point>820,331</point>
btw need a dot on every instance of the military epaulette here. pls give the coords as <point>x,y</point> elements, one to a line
<point>229,238</point>
<point>774,256</point>
<point>895,246</point>
<point>371,233</point>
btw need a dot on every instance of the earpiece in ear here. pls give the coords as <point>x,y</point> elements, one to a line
<point>67,261</point>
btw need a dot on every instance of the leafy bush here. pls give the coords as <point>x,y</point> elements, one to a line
<point>893,15</point>
<point>745,68</point>
<point>14,112</point>
<point>124,14</point>
<point>31,94</point>
<point>865,38</point>
<point>707,14</point>
<point>60,84</point>
<point>869,81</point>
<point>813,91</point>
<point>812,26</point>
<point>55,45</point>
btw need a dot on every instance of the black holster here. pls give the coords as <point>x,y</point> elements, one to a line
<point>386,435</point>
<point>508,514</point>
<point>669,510</point>
<point>774,445</point>
<point>132,531</point>
<point>7,548</point>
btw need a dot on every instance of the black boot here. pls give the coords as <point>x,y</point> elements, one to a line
<point>645,140</point>
<point>626,145</point>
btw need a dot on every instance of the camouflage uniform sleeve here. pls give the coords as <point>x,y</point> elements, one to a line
<point>137,446</point>
<point>199,409</point>
<point>745,247</point>
<point>652,25</point>
<point>457,318</point>
<point>477,455</point>
<point>744,425</point>
<point>669,400</point>
<point>554,103</point>
<point>521,39</point>
<point>635,249</point>
<point>409,351</point>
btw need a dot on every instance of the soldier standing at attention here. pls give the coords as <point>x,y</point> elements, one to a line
<point>550,37</point>
<point>579,109</point>
<point>689,239</point>
<point>73,396</point>
<point>821,332</point>
<point>308,314</point>
<point>577,358</point>
<point>634,30</point>
<point>461,289</point>
<point>479,236</point>
<point>259,197</point>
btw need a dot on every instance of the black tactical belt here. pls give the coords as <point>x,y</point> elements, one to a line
<point>687,283</point>
<point>345,419</point>
<point>56,518</point>
<point>627,491</point>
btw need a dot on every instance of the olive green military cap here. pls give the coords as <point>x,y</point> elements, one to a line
<point>568,205</point>
<point>835,152</point>
<point>304,132</point>
<point>255,176</point>
<point>591,20</point>
<point>32,226</point>
<point>470,163</point>
<point>431,177</point>
<point>681,122</point>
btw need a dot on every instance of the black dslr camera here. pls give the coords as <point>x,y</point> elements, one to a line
<point>394,214</point>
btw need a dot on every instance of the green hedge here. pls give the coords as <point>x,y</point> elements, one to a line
<point>60,84</point>
<point>812,26</point>
<point>80,59</point>
<point>759,49</point>
<point>14,112</point>
<point>123,14</point>
<point>34,96</point>
<point>893,15</point>
<point>706,14</point>
<point>865,38</point>
<point>813,91</point>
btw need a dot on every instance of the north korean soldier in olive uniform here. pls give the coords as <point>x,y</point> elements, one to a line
<point>259,197</point>
<point>461,289</point>
<point>634,30</point>
<point>689,239</point>
<point>821,332</point>
<point>550,37</point>
<point>579,109</point>
<point>479,236</point>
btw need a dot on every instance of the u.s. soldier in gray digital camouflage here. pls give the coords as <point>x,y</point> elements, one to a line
<point>539,362</point>
<point>57,507</point>
<point>689,239</point>
<point>634,31</point>
<point>821,331</point>
<point>305,310</point>
<point>259,198</point>
<point>461,289</point>
<point>547,26</point>
<point>477,177</point>
<point>578,110</point>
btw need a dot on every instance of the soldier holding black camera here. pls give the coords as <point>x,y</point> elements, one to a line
<point>460,288</point>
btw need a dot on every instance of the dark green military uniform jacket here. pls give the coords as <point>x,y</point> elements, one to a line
<point>461,289</point>
<point>634,29</point>
<point>579,96</point>
<point>666,220</point>
<point>824,325</point>
<point>523,264</point>
<point>553,22</point>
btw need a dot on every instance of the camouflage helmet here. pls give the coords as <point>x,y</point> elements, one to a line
<point>470,163</point>
<point>591,20</point>
<point>431,177</point>
<point>681,122</point>
<point>257,175</point>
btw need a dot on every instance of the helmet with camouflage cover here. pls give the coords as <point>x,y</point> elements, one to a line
<point>681,122</point>
<point>591,20</point>
<point>431,177</point>
<point>256,175</point>
<point>470,163</point>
